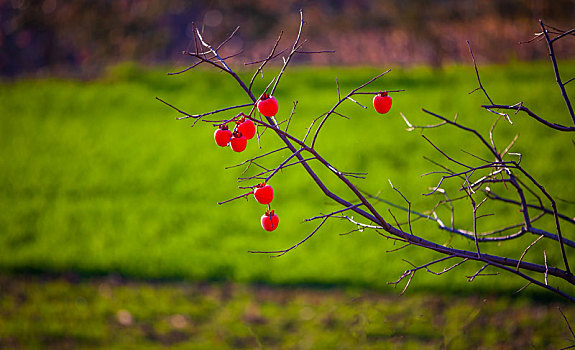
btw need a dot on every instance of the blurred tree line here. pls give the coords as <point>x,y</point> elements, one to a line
<point>80,37</point>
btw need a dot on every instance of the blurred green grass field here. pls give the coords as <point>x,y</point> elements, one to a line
<point>98,177</point>
<point>104,313</point>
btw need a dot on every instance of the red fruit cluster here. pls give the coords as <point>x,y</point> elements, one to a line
<point>382,102</point>
<point>237,139</point>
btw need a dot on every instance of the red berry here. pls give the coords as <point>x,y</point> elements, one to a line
<point>247,128</point>
<point>222,136</point>
<point>382,102</point>
<point>268,105</point>
<point>238,142</point>
<point>264,194</point>
<point>270,221</point>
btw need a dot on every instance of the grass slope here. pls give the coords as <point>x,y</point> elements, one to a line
<point>97,177</point>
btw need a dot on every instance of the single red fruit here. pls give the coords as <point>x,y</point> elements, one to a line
<point>268,105</point>
<point>264,194</point>
<point>222,136</point>
<point>238,142</point>
<point>247,128</point>
<point>382,102</point>
<point>270,221</point>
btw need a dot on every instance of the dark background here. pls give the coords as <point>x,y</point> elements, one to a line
<point>80,37</point>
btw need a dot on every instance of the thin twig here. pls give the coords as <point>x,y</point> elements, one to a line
<point>333,212</point>
<point>532,115</point>
<point>340,101</point>
<point>478,273</point>
<point>566,321</point>
<point>257,157</point>
<point>556,70</point>
<point>284,251</point>
<point>477,73</point>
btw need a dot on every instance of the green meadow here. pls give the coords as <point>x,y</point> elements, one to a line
<point>98,178</point>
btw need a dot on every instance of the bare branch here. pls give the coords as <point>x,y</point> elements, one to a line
<point>566,321</point>
<point>295,47</point>
<point>532,115</point>
<point>237,197</point>
<point>360,225</point>
<point>411,127</point>
<point>207,113</point>
<point>447,269</point>
<point>291,115</point>
<point>556,68</point>
<point>341,100</point>
<point>333,213</point>
<point>271,56</point>
<point>493,151</point>
<point>412,272</point>
<point>408,206</point>
<point>477,73</point>
<point>546,267</point>
<point>538,207</point>
<point>287,160</point>
<point>478,273</point>
<point>257,157</point>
